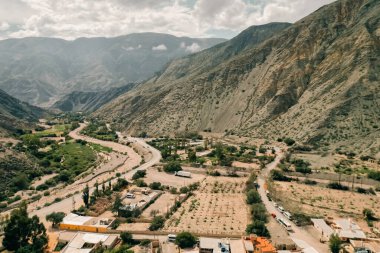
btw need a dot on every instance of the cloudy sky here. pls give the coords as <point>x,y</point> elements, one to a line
<point>71,19</point>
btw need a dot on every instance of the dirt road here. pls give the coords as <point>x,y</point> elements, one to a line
<point>299,234</point>
<point>66,205</point>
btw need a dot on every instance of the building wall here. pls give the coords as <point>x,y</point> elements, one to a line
<point>84,228</point>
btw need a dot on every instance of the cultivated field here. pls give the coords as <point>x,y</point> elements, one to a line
<point>160,206</point>
<point>217,207</point>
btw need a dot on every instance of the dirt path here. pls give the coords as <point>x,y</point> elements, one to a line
<point>66,204</point>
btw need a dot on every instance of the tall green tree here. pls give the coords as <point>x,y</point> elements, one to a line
<point>86,195</point>
<point>117,204</point>
<point>335,243</point>
<point>24,234</point>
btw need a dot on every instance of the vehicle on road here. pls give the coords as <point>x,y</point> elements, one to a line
<point>273,215</point>
<point>288,215</point>
<point>281,209</point>
<point>172,237</point>
<point>285,224</point>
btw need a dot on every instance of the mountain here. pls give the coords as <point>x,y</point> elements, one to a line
<point>81,101</point>
<point>16,114</point>
<point>40,70</point>
<point>316,81</point>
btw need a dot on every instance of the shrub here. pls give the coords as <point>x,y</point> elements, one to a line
<point>185,240</point>
<point>172,167</point>
<point>289,141</point>
<point>140,183</point>
<point>257,228</point>
<point>139,174</point>
<point>157,223</point>
<point>155,186</point>
<point>278,176</point>
<point>337,186</point>
<point>126,237</point>
<point>253,197</point>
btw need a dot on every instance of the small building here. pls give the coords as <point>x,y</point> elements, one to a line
<point>213,245</point>
<point>347,229</point>
<point>325,230</point>
<point>87,242</point>
<point>85,223</point>
<point>256,244</point>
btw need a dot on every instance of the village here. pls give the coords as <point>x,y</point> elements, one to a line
<point>196,194</point>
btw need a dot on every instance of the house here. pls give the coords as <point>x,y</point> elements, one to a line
<point>85,223</point>
<point>87,242</point>
<point>364,246</point>
<point>347,229</point>
<point>256,244</point>
<point>213,245</point>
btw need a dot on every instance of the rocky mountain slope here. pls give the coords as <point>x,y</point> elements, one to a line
<point>16,114</point>
<point>81,101</point>
<point>40,70</point>
<point>316,81</point>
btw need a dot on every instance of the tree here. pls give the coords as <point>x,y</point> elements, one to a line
<point>253,197</point>
<point>126,237</point>
<point>185,240</point>
<point>155,186</point>
<point>55,218</point>
<point>289,141</point>
<point>96,192</point>
<point>157,223</point>
<point>335,243</point>
<point>172,167</point>
<point>258,228</point>
<point>86,195</point>
<point>192,156</point>
<point>139,174</point>
<point>117,204</point>
<point>24,234</point>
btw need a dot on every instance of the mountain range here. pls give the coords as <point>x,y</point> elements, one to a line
<point>15,114</point>
<point>40,71</point>
<point>316,80</point>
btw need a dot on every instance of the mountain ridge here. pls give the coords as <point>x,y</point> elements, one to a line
<point>40,70</point>
<point>298,83</point>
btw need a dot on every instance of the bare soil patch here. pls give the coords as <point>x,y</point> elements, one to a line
<point>217,207</point>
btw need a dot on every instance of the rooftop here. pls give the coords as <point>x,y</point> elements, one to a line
<point>349,229</point>
<point>85,242</point>
<point>74,219</point>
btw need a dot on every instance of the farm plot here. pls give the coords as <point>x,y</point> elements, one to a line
<point>160,206</point>
<point>153,175</point>
<point>217,207</point>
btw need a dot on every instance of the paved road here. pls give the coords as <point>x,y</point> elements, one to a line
<point>298,233</point>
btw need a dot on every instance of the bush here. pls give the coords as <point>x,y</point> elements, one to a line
<point>172,167</point>
<point>278,176</point>
<point>185,240</point>
<point>374,175</point>
<point>157,223</point>
<point>258,228</point>
<point>337,186</point>
<point>126,237</point>
<point>289,141</point>
<point>253,197</point>
<point>259,212</point>
<point>155,186</point>
<point>310,182</point>
<point>139,174</point>
<point>140,183</point>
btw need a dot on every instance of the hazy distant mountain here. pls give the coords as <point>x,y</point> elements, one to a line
<point>39,70</point>
<point>16,114</point>
<point>316,81</point>
<point>81,101</point>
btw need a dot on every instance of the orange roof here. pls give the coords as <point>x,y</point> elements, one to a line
<point>263,244</point>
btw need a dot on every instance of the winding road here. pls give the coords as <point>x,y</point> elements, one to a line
<point>133,160</point>
<point>298,235</point>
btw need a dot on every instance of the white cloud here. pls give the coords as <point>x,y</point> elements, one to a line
<point>195,18</point>
<point>4,26</point>
<point>161,47</point>
<point>193,48</point>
